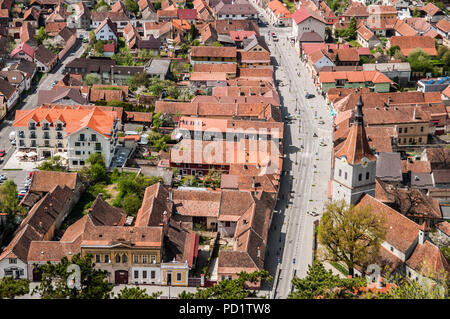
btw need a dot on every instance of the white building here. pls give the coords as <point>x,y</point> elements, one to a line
<point>74,132</point>
<point>354,164</point>
<point>106,30</point>
<point>304,20</point>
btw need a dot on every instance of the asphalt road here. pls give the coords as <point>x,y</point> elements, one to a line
<point>304,184</point>
<point>28,103</point>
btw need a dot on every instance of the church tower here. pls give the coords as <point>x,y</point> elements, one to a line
<point>354,163</point>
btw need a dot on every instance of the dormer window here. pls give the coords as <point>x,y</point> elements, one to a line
<point>45,126</point>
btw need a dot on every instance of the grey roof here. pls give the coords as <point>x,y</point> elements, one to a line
<point>158,67</point>
<point>92,65</point>
<point>44,55</point>
<point>25,67</point>
<point>127,70</point>
<point>242,8</point>
<point>387,67</point>
<point>421,180</point>
<point>51,96</point>
<point>389,167</point>
<point>149,43</point>
<point>13,77</point>
<point>445,209</point>
<point>252,41</point>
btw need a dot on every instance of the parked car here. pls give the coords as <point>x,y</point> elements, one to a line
<point>290,117</point>
<point>309,95</point>
<point>2,177</point>
<point>313,214</point>
<point>321,122</point>
<point>2,152</point>
<point>275,38</point>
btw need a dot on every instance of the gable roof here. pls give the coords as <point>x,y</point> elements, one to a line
<point>56,94</point>
<point>443,25</point>
<point>410,43</point>
<point>110,25</point>
<point>103,214</point>
<point>25,48</point>
<point>44,55</point>
<point>304,13</point>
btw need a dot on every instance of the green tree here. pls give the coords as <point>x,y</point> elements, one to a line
<point>99,47</point>
<point>351,235</point>
<point>96,158</point>
<point>420,61</point>
<point>230,289</point>
<point>53,164</point>
<point>9,201</point>
<point>322,282</point>
<point>41,35</point>
<point>157,121</point>
<point>216,44</point>
<point>92,79</point>
<point>10,287</point>
<point>131,204</point>
<point>393,49</point>
<point>137,293</point>
<point>350,32</point>
<point>94,283</point>
<point>92,37</point>
<point>132,6</point>
<point>416,13</point>
<point>138,80</point>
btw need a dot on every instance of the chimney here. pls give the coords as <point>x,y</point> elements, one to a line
<point>423,233</point>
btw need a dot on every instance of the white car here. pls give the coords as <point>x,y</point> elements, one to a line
<point>313,214</point>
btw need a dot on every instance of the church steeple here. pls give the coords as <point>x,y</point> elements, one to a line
<point>356,146</point>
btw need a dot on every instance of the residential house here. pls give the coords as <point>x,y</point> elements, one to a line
<point>190,15</point>
<point>81,19</point>
<point>120,74</point>
<point>32,16</point>
<point>131,36</point>
<point>109,49</point>
<point>360,13</point>
<point>278,14</point>
<point>45,59</point>
<point>234,9</point>
<point>377,81</point>
<point>443,28</point>
<point>151,44</point>
<point>366,38</point>
<point>119,19</point>
<point>432,13</point>
<point>27,33</point>
<point>9,94</point>
<point>410,43</point>
<point>101,67</point>
<point>400,72</point>
<point>253,59</point>
<point>15,78</point>
<point>106,30</point>
<point>205,54</point>
<point>305,20</point>
<point>433,84</point>
<point>407,249</point>
<point>72,130</point>
<point>208,35</point>
<point>23,51</point>
<point>403,29</point>
<point>148,12</point>
<point>420,25</point>
<point>61,95</point>
<point>27,68</point>
<point>158,68</point>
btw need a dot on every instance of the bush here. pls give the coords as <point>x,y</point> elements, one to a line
<point>131,204</point>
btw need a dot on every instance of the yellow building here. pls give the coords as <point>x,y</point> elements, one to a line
<point>175,273</point>
<point>129,254</point>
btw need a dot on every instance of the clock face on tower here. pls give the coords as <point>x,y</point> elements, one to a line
<point>364,163</point>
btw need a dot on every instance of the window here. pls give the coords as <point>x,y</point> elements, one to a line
<point>367,175</point>
<point>77,153</point>
<point>136,259</point>
<point>106,258</point>
<point>77,143</point>
<point>136,274</point>
<point>406,130</point>
<point>153,274</point>
<point>400,129</point>
<point>82,163</point>
<point>345,175</point>
<point>359,177</point>
<point>227,224</point>
<point>13,260</point>
<point>178,276</point>
<point>340,172</point>
<point>421,128</point>
<point>153,259</point>
<point>117,258</point>
<point>392,248</point>
<point>144,274</point>
<point>97,258</point>
<point>223,277</point>
<point>420,140</point>
<point>75,162</point>
<point>144,259</point>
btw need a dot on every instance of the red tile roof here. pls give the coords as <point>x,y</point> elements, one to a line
<point>410,43</point>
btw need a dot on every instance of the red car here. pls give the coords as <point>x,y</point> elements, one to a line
<point>2,153</point>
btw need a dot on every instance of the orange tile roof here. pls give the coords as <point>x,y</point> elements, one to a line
<point>443,25</point>
<point>410,43</point>
<point>73,118</point>
<point>354,76</point>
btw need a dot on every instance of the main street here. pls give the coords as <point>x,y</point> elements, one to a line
<point>304,184</point>
<point>30,102</point>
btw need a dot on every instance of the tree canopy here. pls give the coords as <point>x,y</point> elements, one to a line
<point>229,289</point>
<point>136,293</point>
<point>52,164</point>
<point>321,283</point>
<point>351,235</point>
<point>94,284</point>
<point>10,287</point>
<point>420,61</point>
